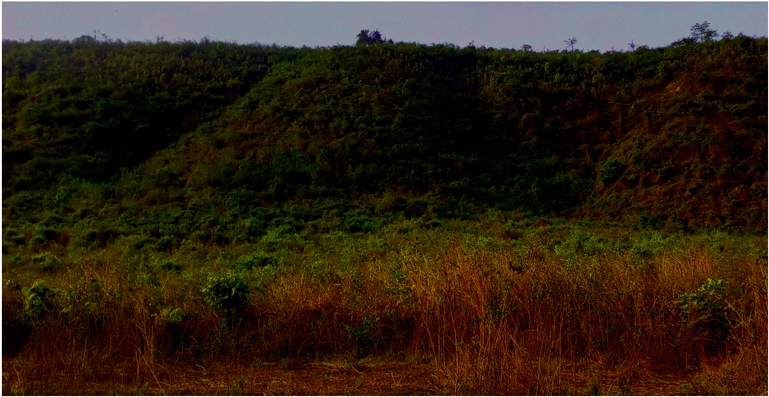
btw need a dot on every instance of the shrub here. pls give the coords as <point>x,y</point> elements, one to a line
<point>165,243</point>
<point>13,236</point>
<point>37,298</point>
<point>702,312</point>
<point>255,228</point>
<point>46,261</point>
<point>580,243</point>
<point>227,293</point>
<point>704,299</point>
<point>363,336</point>
<point>44,235</point>
<point>172,266</point>
<point>255,259</point>
<point>362,224</point>
<point>173,315</point>
<point>651,246</point>
<point>85,296</point>
<point>612,171</point>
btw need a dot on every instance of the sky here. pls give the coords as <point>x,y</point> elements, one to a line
<point>543,25</point>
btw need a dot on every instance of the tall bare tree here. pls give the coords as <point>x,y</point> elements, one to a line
<point>570,43</point>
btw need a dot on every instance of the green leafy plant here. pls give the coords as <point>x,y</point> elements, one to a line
<point>172,266</point>
<point>255,227</point>
<point>227,293</point>
<point>399,287</point>
<point>258,259</point>
<point>14,236</point>
<point>38,298</point>
<point>612,171</point>
<point>173,315</point>
<point>650,246</point>
<point>362,224</point>
<point>362,335</point>
<point>579,243</point>
<point>705,298</point>
<point>46,261</point>
<point>85,295</point>
<point>43,235</point>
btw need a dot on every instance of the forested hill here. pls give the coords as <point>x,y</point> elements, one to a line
<point>232,140</point>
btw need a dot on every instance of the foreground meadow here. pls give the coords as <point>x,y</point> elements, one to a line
<point>493,306</point>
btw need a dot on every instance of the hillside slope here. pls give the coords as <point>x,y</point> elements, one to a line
<point>239,139</point>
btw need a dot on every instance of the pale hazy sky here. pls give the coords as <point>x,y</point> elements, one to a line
<point>599,26</point>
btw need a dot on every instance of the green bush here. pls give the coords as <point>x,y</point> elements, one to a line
<point>612,171</point>
<point>38,298</point>
<point>165,243</point>
<point>172,266</point>
<point>14,236</point>
<point>580,244</point>
<point>363,335</point>
<point>173,315</point>
<point>255,227</point>
<point>256,259</point>
<point>703,310</point>
<point>46,261</point>
<point>43,235</point>
<point>227,293</point>
<point>705,298</point>
<point>650,246</point>
<point>85,296</point>
<point>362,224</point>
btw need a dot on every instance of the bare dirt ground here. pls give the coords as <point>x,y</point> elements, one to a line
<point>315,378</point>
<point>218,379</point>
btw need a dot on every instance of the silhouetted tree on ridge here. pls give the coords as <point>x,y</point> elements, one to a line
<point>366,37</point>
<point>703,32</point>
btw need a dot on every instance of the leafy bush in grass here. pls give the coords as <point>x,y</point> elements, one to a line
<point>651,246</point>
<point>173,315</point>
<point>38,298</point>
<point>705,298</point>
<point>255,228</point>
<point>259,259</point>
<point>46,261</point>
<point>227,293</point>
<point>43,235</point>
<point>14,236</point>
<point>172,266</point>
<point>612,171</point>
<point>363,335</point>
<point>704,310</point>
<point>85,296</point>
<point>362,224</point>
<point>580,243</point>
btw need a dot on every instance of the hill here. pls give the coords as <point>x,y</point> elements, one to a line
<point>115,134</point>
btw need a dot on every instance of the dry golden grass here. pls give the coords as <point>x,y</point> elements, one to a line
<point>454,319</point>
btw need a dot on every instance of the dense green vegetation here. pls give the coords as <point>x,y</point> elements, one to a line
<point>152,190</point>
<point>669,137</point>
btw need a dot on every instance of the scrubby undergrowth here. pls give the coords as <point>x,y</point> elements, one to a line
<point>489,310</point>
